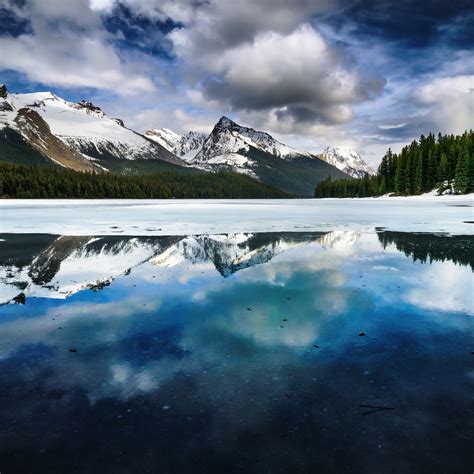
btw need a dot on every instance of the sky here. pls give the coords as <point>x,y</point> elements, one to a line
<point>361,74</point>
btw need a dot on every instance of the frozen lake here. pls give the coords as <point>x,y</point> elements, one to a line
<point>290,336</point>
<point>334,352</point>
<point>451,214</point>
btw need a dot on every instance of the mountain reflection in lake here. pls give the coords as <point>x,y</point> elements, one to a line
<point>277,352</point>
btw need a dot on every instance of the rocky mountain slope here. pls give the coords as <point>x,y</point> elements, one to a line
<point>184,146</point>
<point>74,135</point>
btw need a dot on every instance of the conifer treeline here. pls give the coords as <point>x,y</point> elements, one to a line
<point>420,167</point>
<point>26,181</point>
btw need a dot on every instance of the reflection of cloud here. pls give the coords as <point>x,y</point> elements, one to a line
<point>219,314</point>
<point>84,323</point>
<point>444,287</point>
<point>257,320</point>
<point>385,268</point>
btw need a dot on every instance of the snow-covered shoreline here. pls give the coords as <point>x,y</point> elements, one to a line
<point>447,214</point>
<point>433,195</point>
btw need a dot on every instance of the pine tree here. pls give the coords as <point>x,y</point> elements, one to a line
<point>418,179</point>
<point>461,180</point>
<point>470,171</point>
<point>443,169</point>
<point>432,171</point>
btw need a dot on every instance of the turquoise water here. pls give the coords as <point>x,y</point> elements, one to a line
<point>278,352</point>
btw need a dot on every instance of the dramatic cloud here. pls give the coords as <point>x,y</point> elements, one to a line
<point>296,74</point>
<point>216,26</point>
<point>66,45</point>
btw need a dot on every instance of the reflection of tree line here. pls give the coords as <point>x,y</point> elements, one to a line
<point>428,247</point>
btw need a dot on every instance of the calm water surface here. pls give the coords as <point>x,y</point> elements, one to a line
<point>321,352</point>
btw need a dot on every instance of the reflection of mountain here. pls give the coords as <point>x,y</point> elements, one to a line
<point>428,247</point>
<point>233,252</point>
<point>340,239</point>
<point>58,266</point>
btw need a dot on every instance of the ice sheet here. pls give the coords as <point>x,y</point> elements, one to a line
<point>449,214</point>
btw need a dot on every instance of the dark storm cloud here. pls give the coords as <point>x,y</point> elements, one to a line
<point>136,31</point>
<point>11,23</point>
<point>414,23</point>
<point>216,25</point>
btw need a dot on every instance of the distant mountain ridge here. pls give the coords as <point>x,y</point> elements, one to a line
<point>348,161</point>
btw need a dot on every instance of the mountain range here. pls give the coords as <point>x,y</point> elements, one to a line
<point>42,128</point>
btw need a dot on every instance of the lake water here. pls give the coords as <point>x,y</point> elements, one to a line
<point>347,350</point>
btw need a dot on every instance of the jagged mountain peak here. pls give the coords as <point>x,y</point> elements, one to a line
<point>3,91</point>
<point>185,146</point>
<point>259,138</point>
<point>233,147</point>
<point>225,121</point>
<point>230,137</point>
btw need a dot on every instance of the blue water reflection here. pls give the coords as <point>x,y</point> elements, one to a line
<point>337,352</point>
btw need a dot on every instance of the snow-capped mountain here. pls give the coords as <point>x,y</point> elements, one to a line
<point>229,138</point>
<point>83,128</point>
<point>231,147</point>
<point>348,161</point>
<point>230,253</point>
<point>184,146</point>
<point>26,137</point>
